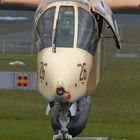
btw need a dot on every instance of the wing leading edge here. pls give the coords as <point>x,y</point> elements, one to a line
<point>119,6</point>
<point>124,6</point>
<point>19,4</point>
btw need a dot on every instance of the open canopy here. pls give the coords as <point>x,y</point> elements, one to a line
<point>105,12</point>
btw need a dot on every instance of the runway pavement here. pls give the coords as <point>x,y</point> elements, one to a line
<point>92,138</point>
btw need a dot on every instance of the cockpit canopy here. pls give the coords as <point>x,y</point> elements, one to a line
<point>60,27</point>
<point>79,1</point>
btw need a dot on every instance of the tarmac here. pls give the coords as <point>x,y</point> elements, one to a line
<point>92,138</point>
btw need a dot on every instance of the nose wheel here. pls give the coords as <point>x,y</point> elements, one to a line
<point>64,120</point>
<point>60,136</point>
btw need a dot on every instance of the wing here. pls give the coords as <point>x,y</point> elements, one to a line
<point>124,6</point>
<point>115,4</point>
<point>118,6</point>
<point>19,4</point>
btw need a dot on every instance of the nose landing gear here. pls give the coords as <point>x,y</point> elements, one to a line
<point>64,120</point>
<point>60,136</point>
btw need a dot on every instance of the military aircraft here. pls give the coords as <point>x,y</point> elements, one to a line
<point>67,37</point>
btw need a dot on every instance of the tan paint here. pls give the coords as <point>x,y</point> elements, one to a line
<point>62,67</point>
<point>57,5</point>
<point>23,2</point>
<point>114,4</point>
<point>92,79</point>
<point>98,63</point>
<point>67,58</point>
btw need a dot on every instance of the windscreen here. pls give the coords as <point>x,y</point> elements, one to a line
<point>45,28</point>
<point>87,31</point>
<point>62,35</point>
<point>65,27</point>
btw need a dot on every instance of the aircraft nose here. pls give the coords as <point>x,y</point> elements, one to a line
<point>60,91</point>
<point>61,76</point>
<point>65,72</point>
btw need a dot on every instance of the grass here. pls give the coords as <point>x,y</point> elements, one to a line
<point>22,116</point>
<point>29,60</point>
<point>116,112</point>
<point>115,108</point>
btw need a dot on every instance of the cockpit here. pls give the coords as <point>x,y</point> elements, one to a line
<point>86,2</point>
<point>67,27</point>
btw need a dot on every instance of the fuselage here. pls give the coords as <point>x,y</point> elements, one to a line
<point>66,38</point>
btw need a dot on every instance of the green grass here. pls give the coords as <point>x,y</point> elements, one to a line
<point>29,60</point>
<point>115,108</point>
<point>130,34</point>
<point>22,116</point>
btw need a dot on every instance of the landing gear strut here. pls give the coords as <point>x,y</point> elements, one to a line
<point>64,120</point>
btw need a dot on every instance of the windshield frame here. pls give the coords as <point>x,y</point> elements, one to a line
<point>58,27</point>
<point>58,5</point>
<point>96,27</point>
